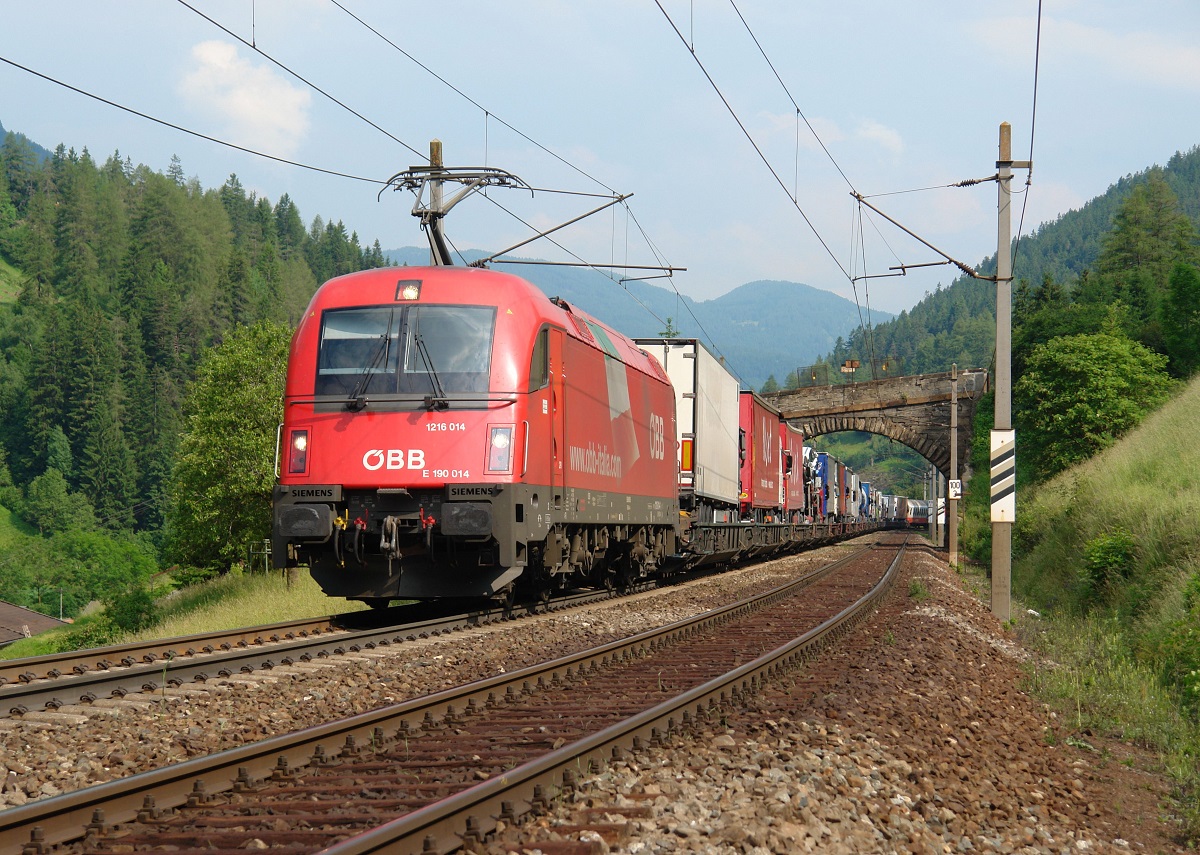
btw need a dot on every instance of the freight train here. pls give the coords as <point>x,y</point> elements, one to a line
<point>453,432</point>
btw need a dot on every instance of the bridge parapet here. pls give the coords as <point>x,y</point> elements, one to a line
<point>913,410</point>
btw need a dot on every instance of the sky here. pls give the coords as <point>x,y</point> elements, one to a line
<point>740,128</point>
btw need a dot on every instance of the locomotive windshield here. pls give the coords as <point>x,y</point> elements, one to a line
<point>411,349</point>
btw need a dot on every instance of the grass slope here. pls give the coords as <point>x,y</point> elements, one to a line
<point>1148,486</point>
<point>12,529</point>
<point>1110,552</point>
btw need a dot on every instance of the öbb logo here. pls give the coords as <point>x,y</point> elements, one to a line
<point>394,458</point>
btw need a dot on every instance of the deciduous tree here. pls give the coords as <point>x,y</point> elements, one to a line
<point>220,494</point>
<point>1079,393</point>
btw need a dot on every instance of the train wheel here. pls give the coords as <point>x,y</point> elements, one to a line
<point>508,599</point>
<point>377,602</point>
<point>627,575</point>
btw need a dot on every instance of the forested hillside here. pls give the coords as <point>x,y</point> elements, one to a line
<point>755,327</point>
<point>115,281</point>
<point>1106,315</point>
<point>957,323</point>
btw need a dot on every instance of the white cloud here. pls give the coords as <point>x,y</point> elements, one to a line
<point>1163,59</point>
<point>254,106</point>
<point>882,135</point>
<point>1151,57</point>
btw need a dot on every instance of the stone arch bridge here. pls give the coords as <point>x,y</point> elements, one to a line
<point>913,410</point>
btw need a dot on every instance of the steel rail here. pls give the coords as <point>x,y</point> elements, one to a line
<point>44,682</point>
<point>445,825</point>
<point>54,665</point>
<point>157,672</point>
<point>66,817</point>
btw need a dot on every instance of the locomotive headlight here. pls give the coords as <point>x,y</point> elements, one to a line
<point>499,453</point>
<point>408,289</point>
<point>298,452</point>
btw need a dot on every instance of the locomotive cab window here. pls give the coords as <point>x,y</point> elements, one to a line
<point>414,349</point>
<point>539,364</point>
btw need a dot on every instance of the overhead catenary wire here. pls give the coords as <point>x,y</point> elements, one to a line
<point>305,81</point>
<point>794,198</point>
<point>189,131</point>
<point>488,114</point>
<point>799,112</point>
<point>336,173</point>
<point>1037,53</point>
<point>596,267</point>
<point>868,329</point>
<point>750,138</point>
<point>967,183</point>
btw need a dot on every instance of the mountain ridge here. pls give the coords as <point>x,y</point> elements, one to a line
<point>762,328</point>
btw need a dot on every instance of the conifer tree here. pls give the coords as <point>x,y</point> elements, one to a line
<point>109,476</point>
<point>1181,320</point>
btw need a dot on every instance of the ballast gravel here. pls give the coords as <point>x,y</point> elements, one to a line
<point>911,735</point>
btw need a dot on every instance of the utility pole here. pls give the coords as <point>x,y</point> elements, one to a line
<point>1003,457</point>
<point>434,177</point>
<point>439,253</point>
<point>954,487</point>
<point>931,496</point>
<point>935,478</point>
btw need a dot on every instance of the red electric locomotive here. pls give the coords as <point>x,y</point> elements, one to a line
<point>452,432</point>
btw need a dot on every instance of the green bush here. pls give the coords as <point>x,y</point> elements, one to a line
<point>95,632</point>
<point>1191,595</point>
<point>1108,559</point>
<point>1179,650</point>
<point>187,576</point>
<point>132,610</point>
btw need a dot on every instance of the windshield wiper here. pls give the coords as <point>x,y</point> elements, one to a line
<point>436,401</point>
<point>357,399</point>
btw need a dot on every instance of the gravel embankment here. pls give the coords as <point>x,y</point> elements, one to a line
<point>913,736</point>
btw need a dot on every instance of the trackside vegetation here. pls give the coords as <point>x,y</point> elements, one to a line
<point>127,298</point>
<point>1108,554</point>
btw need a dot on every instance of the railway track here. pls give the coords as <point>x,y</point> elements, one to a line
<point>74,682</point>
<point>53,666</point>
<point>71,682</point>
<point>427,774</point>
